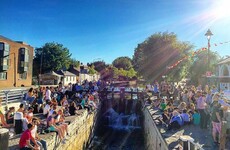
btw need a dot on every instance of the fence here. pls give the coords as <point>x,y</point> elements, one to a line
<point>12,95</point>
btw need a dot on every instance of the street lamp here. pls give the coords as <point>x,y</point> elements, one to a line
<point>40,52</point>
<point>208,34</point>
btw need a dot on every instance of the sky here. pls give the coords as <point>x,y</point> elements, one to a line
<point>106,29</point>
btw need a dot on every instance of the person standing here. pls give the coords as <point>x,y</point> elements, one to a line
<point>216,121</point>
<point>201,105</point>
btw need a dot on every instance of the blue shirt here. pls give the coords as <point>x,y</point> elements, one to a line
<point>185,117</point>
<point>179,119</point>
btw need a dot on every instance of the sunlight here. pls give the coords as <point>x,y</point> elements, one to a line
<point>221,9</point>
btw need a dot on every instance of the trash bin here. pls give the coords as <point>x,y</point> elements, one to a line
<point>4,138</point>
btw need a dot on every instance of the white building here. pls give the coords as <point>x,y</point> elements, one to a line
<point>223,73</point>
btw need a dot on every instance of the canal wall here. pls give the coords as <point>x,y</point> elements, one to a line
<point>153,137</point>
<point>80,130</point>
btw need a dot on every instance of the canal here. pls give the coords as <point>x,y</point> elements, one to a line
<point>119,124</point>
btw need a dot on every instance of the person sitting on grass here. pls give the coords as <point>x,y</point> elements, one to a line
<point>52,127</point>
<point>25,140</point>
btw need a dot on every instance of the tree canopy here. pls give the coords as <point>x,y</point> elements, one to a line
<point>153,56</point>
<point>199,65</point>
<point>54,56</point>
<point>122,62</point>
<point>99,65</point>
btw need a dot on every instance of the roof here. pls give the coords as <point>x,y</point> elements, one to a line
<point>3,37</point>
<point>52,73</point>
<point>227,60</point>
<point>20,42</point>
<point>65,73</point>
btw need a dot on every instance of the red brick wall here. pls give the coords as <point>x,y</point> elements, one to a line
<point>14,48</point>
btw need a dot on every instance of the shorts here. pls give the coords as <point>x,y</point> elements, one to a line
<point>216,127</point>
<point>51,128</point>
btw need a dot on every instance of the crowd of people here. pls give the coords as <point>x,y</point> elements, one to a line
<point>202,106</point>
<point>51,105</point>
<point>179,106</point>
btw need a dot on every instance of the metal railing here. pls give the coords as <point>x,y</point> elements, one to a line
<point>12,95</point>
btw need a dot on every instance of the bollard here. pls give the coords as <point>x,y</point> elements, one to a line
<point>4,138</point>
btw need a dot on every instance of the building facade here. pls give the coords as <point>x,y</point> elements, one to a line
<point>16,63</point>
<point>224,74</point>
<point>55,77</point>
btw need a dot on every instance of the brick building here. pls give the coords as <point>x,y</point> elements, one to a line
<point>16,62</point>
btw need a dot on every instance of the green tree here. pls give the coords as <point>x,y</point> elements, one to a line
<point>92,70</point>
<point>54,56</point>
<point>99,65</point>
<point>74,62</point>
<point>153,56</point>
<point>122,62</point>
<point>200,64</point>
<point>131,73</point>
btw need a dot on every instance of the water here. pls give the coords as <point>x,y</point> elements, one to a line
<point>120,126</point>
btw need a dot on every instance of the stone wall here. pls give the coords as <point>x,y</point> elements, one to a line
<point>80,130</point>
<point>153,138</point>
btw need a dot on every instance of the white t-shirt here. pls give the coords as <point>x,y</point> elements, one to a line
<point>46,109</point>
<point>34,131</point>
<point>18,116</point>
<point>48,94</point>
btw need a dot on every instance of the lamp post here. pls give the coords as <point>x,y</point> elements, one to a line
<point>208,34</point>
<point>40,52</point>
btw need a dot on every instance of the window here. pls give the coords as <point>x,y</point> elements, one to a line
<point>4,56</point>
<point>3,75</point>
<point>23,59</point>
<point>67,79</point>
<point>225,71</point>
<point>23,75</point>
<point>1,46</point>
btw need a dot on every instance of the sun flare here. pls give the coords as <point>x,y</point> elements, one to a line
<point>221,9</point>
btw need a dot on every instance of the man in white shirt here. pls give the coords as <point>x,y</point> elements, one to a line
<point>46,108</point>
<point>48,94</point>
<point>42,143</point>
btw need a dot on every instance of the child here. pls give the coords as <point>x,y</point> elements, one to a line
<point>196,118</point>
